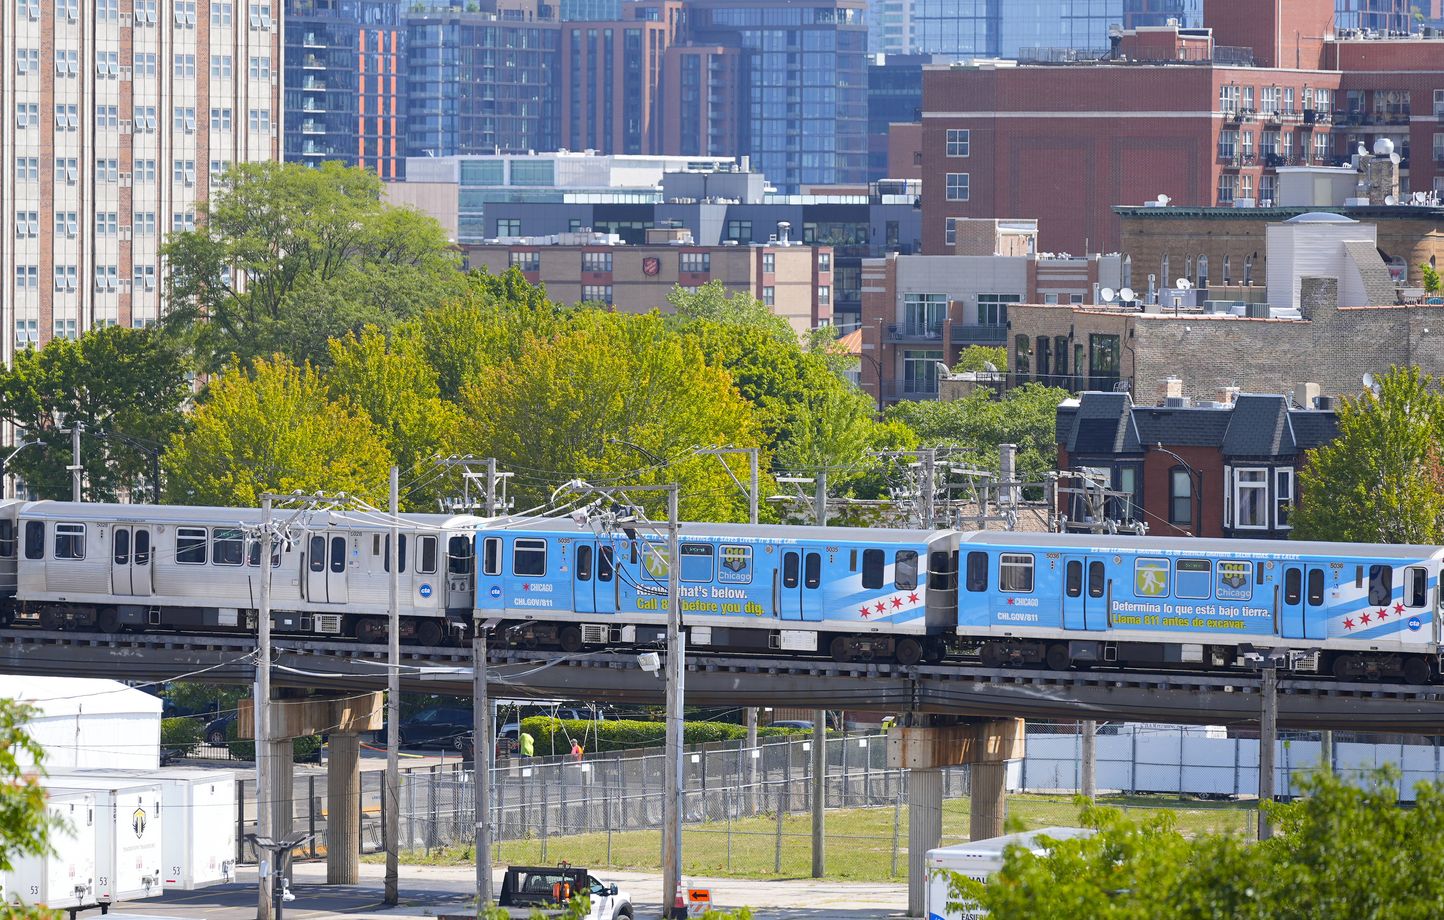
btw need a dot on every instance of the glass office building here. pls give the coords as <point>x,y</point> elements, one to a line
<point>1006,28</point>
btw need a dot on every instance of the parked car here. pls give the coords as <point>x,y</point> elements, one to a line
<point>216,729</point>
<point>548,889</point>
<point>437,727</point>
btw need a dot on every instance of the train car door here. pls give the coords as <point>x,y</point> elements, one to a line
<point>1085,590</point>
<point>336,592</point>
<point>130,561</point>
<point>788,585</point>
<point>1316,615</point>
<point>1302,612</point>
<point>584,573</point>
<point>604,584</point>
<point>326,557</point>
<point>812,585</point>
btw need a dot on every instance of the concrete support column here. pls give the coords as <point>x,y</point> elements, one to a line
<point>987,801</point>
<point>343,809</point>
<point>925,832</point>
<point>283,785</point>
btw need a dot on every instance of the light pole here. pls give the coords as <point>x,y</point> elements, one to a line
<point>1194,476</point>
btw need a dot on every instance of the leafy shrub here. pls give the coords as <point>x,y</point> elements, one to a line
<point>556,735</point>
<point>306,749</point>
<point>181,733</point>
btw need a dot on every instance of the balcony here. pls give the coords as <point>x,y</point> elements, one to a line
<point>915,332</point>
<point>312,62</point>
<point>312,85</point>
<point>894,390</point>
<point>965,334</point>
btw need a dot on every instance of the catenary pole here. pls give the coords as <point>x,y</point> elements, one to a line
<point>392,829</point>
<point>483,749</point>
<point>675,788</point>
<point>75,468</point>
<point>261,705</point>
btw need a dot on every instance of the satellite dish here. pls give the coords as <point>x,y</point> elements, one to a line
<point>943,369</point>
<point>1420,198</point>
<point>1395,159</point>
<point>1183,284</point>
<point>1391,199</point>
<point>1163,201</point>
<point>990,367</point>
<point>1126,295</point>
<point>1371,384</point>
<point>1107,294</point>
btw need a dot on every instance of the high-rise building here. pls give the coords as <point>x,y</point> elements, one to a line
<point>1012,28</point>
<point>115,118</point>
<point>889,26</point>
<point>894,95</point>
<point>611,86</point>
<point>344,84</point>
<point>1375,15</point>
<point>702,110</point>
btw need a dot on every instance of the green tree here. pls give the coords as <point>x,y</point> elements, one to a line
<point>978,357</point>
<point>287,256</point>
<point>1381,480</point>
<point>272,427</point>
<point>126,388</point>
<point>1026,416</point>
<point>712,302</point>
<point>1431,278</point>
<point>559,409</point>
<point>25,823</point>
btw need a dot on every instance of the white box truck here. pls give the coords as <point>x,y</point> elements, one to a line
<point>978,860</point>
<point>66,877</point>
<point>128,835</point>
<point>198,817</point>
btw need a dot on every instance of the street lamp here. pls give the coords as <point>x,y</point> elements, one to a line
<point>1196,478</point>
<point>279,864</point>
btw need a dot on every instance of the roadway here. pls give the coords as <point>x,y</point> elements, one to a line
<point>1304,702</point>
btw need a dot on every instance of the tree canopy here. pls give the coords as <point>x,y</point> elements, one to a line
<point>25,823</point>
<point>1381,480</point>
<point>1025,416</point>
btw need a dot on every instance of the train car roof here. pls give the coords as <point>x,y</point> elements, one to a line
<point>746,531</point>
<point>1206,545</point>
<point>213,514</point>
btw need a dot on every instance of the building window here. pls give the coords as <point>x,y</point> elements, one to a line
<point>824,295</point>
<point>957,187</point>
<point>920,372</point>
<point>1129,481</point>
<point>769,263</point>
<point>596,261</point>
<point>1103,363</point>
<point>597,293</point>
<point>993,308</point>
<point>1228,99</point>
<point>959,142</point>
<point>529,261</point>
<point>824,262</point>
<point>1180,497</point>
<point>769,295</point>
<point>696,262</point>
<point>1227,188</point>
<point>508,226</point>
<point>1283,497</point>
<point>1250,499</point>
<point>1022,351</point>
<point>924,315</point>
<point>739,230</point>
<point>950,232</point>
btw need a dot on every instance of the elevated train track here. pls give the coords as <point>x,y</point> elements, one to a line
<point>1303,703</point>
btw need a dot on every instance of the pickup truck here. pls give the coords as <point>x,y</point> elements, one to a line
<point>549,888</point>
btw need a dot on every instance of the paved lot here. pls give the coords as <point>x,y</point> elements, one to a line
<point>427,891</point>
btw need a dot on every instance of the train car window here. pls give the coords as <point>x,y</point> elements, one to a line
<point>426,555</point>
<point>852,560</point>
<point>34,539</point>
<point>1416,587</point>
<point>1097,579</point>
<point>338,554</point>
<point>458,556</point>
<point>386,553</point>
<point>69,541</point>
<point>228,547</point>
<point>1015,573</point>
<point>529,557</point>
<point>905,569</point>
<point>605,566</point>
<point>1358,576</point>
<point>1381,585</point>
<point>1073,579</point>
<point>191,545</point>
<point>317,553</point>
<point>812,570</point>
<point>1193,579</point>
<point>7,539</point>
<point>253,555</point>
<point>977,571</point>
<point>789,570</point>
<point>120,546</point>
<point>697,562</point>
<point>491,556</point>
<point>1293,586</point>
<point>874,562</point>
<point>584,563</point>
<point>1316,587</point>
<point>1258,573</point>
<point>142,546</point>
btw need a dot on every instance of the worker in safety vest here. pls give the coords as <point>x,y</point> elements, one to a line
<point>526,745</point>
<point>577,751</point>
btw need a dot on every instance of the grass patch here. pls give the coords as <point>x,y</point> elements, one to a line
<point>859,840</point>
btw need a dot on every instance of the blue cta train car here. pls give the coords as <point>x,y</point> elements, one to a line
<point>1353,610</point>
<point>844,592</point>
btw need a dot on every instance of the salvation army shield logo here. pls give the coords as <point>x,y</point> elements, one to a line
<point>137,822</point>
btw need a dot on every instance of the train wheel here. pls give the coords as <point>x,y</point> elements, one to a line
<point>1057,657</point>
<point>570,638</point>
<point>934,651</point>
<point>108,621</point>
<point>839,650</point>
<point>908,652</point>
<point>992,655</point>
<point>51,620</point>
<point>1417,671</point>
<point>371,630</point>
<point>429,633</point>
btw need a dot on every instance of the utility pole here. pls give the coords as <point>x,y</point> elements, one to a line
<point>483,748</point>
<point>1089,780</point>
<point>392,795</point>
<point>261,708</point>
<point>1267,737</point>
<point>819,502</point>
<point>676,678</point>
<point>930,482</point>
<point>75,468</point>
<point>819,792</point>
<point>490,486</point>
<point>752,496</point>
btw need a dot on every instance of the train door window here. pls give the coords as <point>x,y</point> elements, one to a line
<point>120,546</point>
<point>34,539</point>
<point>789,570</point>
<point>426,555</point>
<point>228,547</point>
<point>7,539</point>
<point>386,553</point>
<point>69,541</point>
<point>491,556</point>
<point>190,545</point>
<point>317,551</point>
<point>142,546</point>
<point>905,570</point>
<point>458,555</point>
<point>812,570</point>
<point>338,554</point>
<point>1293,586</point>
<point>605,565</point>
<point>1316,587</point>
<point>1416,587</point>
<point>1073,579</point>
<point>584,563</point>
<point>1097,579</point>
<point>977,571</point>
<point>1015,573</point>
<point>1381,585</point>
<point>529,557</point>
<point>874,561</point>
<point>697,562</point>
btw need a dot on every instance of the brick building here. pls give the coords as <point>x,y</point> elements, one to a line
<point>1232,465</point>
<point>793,279</point>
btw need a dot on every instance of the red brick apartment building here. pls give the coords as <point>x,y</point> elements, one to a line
<point>1203,116</point>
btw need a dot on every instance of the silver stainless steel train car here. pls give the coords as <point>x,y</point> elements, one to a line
<point>137,567</point>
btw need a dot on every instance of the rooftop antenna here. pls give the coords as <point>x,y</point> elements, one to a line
<point>1107,294</point>
<point>1126,295</point>
<point>1183,284</point>
<point>1163,200</point>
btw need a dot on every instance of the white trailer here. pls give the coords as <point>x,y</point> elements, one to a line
<point>198,817</point>
<point>978,860</point>
<point>66,877</point>
<point>128,835</point>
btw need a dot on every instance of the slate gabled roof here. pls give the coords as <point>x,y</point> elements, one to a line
<point>1259,426</point>
<point>1103,424</point>
<point>1107,424</point>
